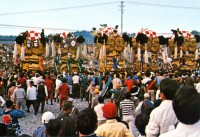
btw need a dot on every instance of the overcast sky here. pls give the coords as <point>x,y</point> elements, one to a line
<point>71,15</point>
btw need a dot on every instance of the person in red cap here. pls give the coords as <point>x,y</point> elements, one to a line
<point>112,128</point>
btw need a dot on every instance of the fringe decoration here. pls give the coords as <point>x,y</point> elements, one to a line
<point>94,53</point>
<point>77,53</point>
<point>47,50</point>
<point>181,53</point>
<point>139,53</point>
<point>131,56</point>
<point>146,56</point>
<point>84,52</point>
<point>59,50</point>
<point>104,51</point>
<point>53,49</point>
<point>196,54</point>
<point>128,48</point>
<point>175,52</point>
<point>22,56</point>
<point>100,53</point>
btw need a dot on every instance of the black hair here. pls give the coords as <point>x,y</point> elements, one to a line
<point>169,87</point>
<point>9,103</point>
<point>186,105</point>
<point>53,127</point>
<point>147,73</point>
<point>67,106</point>
<point>101,99</point>
<point>86,121</point>
<point>3,130</point>
<point>127,95</point>
<point>141,122</point>
<point>64,80</point>
<point>25,135</point>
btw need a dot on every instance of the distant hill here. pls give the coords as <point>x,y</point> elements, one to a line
<point>89,39</point>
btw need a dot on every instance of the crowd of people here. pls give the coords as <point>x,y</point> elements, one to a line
<point>125,103</point>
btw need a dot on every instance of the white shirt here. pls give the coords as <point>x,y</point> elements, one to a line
<point>116,81</point>
<point>198,87</point>
<point>31,93</point>
<point>75,79</point>
<point>58,83</point>
<point>161,118</point>
<point>158,94</point>
<point>99,112</point>
<point>2,101</point>
<point>35,80</point>
<point>183,130</point>
<point>145,80</point>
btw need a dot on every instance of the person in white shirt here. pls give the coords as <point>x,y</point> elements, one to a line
<point>98,109</point>
<point>31,97</point>
<point>2,101</point>
<point>58,84</point>
<point>116,81</point>
<point>140,108</point>
<point>76,87</point>
<point>127,106</point>
<point>162,117</point>
<point>198,86</point>
<point>187,109</point>
<point>147,78</point>
<point>35,79</point>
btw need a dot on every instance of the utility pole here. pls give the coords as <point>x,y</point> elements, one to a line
<point>122,12</point>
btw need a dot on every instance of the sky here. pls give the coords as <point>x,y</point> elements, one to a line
<point>17,16</point>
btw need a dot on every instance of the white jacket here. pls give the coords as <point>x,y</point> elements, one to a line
<point>161,118</point>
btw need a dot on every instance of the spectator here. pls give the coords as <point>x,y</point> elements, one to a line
<point>98,109</point>
<point>2,102</point>
<point>162,117</point>
<point>10,117</point>
<point>3,130</point>
<point>146,103</point>
<point>68,124</point>
<point>19,97</point>
<point>127,107</point>
<point>31,97</point>
<point>42,94</point>
<point>22,81</point>
<point>116,81</point>
<point>63,91</point>
<point>50,88</point>
<point>76,86</point>
<point>142,120</point>
<point>53,128</point>
<point>75,111</point>
<point>87,123</point>
<point>128,83</point>
<point>58,84</point>
<point>187,109</point>
<point>118,94</point>
<point>41,131</point>
<point>11,90</point>
<point>112,128</point>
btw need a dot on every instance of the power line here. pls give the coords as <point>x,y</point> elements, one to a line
<point>19,26</point>
<point>163,5</point>
<point>57,9</point>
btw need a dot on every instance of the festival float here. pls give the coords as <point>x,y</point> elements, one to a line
<point>145,51</point>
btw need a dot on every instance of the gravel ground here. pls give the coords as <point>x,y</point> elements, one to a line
<point>31,122</point>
